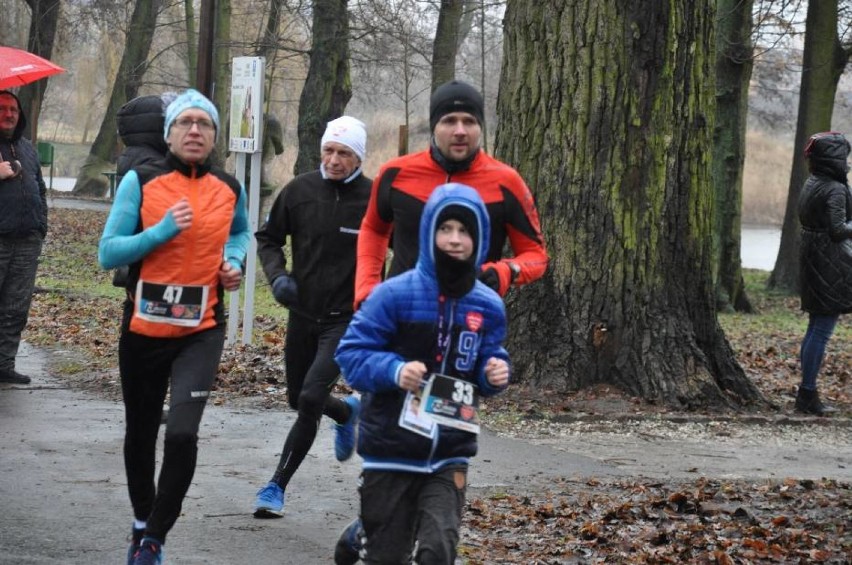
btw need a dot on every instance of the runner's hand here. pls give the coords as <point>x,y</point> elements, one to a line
<point>181,214</point>
<point>230,277</point>
<point>411,376</point>
<point>497,372</point>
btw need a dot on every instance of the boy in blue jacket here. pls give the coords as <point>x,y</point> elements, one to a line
<point>434,319</point>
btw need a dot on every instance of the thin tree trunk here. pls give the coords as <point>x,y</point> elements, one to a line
<point>734,52</point>
<point>446,44</point>
<point>824,61</point>
<point>191,41</point>
<point>126,86</point>
<point>43,23</point>
<point>615,143</point>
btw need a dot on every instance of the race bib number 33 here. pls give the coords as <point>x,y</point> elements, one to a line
<point>178,305</point>
<point>452,402</point>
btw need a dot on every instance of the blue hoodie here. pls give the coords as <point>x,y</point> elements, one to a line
<point>398,323</point>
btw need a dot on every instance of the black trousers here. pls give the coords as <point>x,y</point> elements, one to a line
<point>405,513</point>
<point>149,366</point>
<point>311,374</point>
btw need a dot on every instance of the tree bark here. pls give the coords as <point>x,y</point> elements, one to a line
<point>43,21</point>
<point>222,75</point>
<point>446,44</point>
<point>824,61</point>
<point>734,52</point>
<point>606,110</point>
<point>126,87</point>
<point>328,87</point>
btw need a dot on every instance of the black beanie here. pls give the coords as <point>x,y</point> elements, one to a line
<point>464,215</point>
<point>455,96</point>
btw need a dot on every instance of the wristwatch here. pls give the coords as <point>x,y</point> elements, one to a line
<point>516,271</point>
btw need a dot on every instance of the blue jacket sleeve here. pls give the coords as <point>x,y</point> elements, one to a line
<point>238,243</point>
<point>362,353</point>
<point>120,243</point>
<point>492,346</point>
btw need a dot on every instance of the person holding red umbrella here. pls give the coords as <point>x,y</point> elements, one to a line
<point>23,226</point>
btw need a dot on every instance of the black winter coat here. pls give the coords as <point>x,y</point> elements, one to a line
<point>23,198</point>
<point>825,213</point>
<point>140,124</point>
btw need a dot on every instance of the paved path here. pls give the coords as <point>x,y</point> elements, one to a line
<point>63,490</point>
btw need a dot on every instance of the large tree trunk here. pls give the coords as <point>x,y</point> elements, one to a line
<point>43,22</point>
<point>824,61</point>
<point>328,87</point>
<point>734,53</point>
<point>446,44</point>
<point>607,111</point>
<point>126,87</point>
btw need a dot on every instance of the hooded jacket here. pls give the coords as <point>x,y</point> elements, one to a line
<point>825,214</point>
<point>23,198</point>
<point>402,320</point>
<point>140,125</point>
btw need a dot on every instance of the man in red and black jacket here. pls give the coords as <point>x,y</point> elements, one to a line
<point>403,185</point>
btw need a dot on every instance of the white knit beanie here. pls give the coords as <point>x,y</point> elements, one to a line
<point>348,131</point>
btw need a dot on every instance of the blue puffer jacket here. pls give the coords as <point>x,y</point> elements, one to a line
<point>23,199</point>
<point>399,323</point>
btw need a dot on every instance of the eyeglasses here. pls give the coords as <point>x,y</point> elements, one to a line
<point>187,123</point>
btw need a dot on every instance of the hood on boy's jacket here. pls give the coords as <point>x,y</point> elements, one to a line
<point>452,194</point>
<point>22,119</point>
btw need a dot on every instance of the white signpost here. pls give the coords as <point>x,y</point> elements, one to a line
<point>246,137</point>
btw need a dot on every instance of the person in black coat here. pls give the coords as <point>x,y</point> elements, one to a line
<point>825,214</point>
<point>23,226</point>
<point>140,125</point>
<point>318,214</point>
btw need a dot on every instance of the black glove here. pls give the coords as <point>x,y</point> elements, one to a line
<point>489,277</point>
<point>284,290</point>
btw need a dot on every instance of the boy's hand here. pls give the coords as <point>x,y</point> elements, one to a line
<point>411,376</point>
<point>497,372</point>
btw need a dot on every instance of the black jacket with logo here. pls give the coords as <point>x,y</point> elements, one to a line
<point>322,219</point>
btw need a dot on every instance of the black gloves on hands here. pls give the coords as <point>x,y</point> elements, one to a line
<point>489,277</point>
<point>284,290</point>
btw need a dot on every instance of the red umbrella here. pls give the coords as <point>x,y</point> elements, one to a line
<point>19,67</point>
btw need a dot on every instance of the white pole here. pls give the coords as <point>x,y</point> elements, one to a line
<point>251,259</point>
<point>234,296</point>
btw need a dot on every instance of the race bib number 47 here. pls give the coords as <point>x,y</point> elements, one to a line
<point>452,402</point>
<point>178,305</point>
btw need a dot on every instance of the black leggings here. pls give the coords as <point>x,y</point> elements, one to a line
<point>311,374</point>
<point>148,367</point>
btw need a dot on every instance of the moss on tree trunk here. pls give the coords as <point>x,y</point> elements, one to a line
<point>607,111</point>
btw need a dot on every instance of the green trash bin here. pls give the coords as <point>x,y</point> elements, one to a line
<point>45,157</point>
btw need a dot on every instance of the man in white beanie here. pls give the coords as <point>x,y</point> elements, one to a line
<point>320,212</point>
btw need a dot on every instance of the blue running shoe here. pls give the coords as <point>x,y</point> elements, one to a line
<point>269,502</point>
<point>348,548</point>
<point>135,542</point>
<point>344,442</point>
<point>150,552</point>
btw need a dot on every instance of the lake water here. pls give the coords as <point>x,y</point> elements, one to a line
<point>759,246</point>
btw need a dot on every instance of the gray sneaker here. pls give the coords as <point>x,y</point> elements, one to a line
<point>14,377</point>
